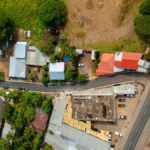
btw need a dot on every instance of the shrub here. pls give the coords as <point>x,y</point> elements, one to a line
<point>2,76</point>
<point>46,106</point>
<point>71,73</point>
<point>29,70</point>
<point>30,76</point>
<point>30,113</point>
<point>145,8</point>
<point>52,58</point>
<point>45,67</point>
<point>37,141</point>
<point>45,80</point>
<point>44,74</point>
<point>81,77</point>
<point>51,132</point>
<point>147,56</point>
<point>34,75</point>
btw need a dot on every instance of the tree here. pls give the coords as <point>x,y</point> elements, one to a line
<point>2,76</point>
<point>52,11</point>
<point>44,80</point>
<point>5,26</point>
<point>30,114</point>
<point>11,95</point>
<point>29,133</point>
<point>34,75</point>
<point>37,99</point>
<point>45,67</point>
<point>47,105</point>
<point>142,25</point>
<point>44,74</point>
<point>37,141</point>
<point>145,8</point>
<point>48,147</point>
<point>52,58</point>
<point>81,77</point>
<point>147,56</point>
<point>7,112</point>
<point>71,73</point>
<point>4,145</point>
<point>9,136</point>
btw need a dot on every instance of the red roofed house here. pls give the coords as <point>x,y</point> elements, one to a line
<point>106,65</point>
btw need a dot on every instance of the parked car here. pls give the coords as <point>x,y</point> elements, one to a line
<point>117,133</point>
<point>81,65</point>
<point>128,95</point>
<point>121,105</point>
<point>87,51</point>
<point>109,136</point>
<point>122,117</point>
<point>3,54</point>
<point>7,44</point>
<point>121,100</point>
<point>5,87</point>
<point>26,89</point>
<point>38,68</point>
<point>11,37</point>
<point>19,88</point>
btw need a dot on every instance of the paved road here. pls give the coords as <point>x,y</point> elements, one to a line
<point>139,124</point>
<point>114,79</point>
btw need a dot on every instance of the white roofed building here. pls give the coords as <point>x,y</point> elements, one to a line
<point>93,55</point>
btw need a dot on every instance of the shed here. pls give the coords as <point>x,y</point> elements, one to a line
<point>79,51</point>
<point>56,71</point>
<point>20,50</point>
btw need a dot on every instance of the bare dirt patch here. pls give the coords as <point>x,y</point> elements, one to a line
<point>97,19</point>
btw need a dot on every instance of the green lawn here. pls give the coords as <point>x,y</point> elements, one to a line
<point>24,15</point>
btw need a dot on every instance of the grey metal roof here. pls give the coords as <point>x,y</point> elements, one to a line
<point>142,69</point>
<point>59,110</point>
<point>36,58</point>
<point>33,48</point>
<point>6,129</point>
<point>17,68</point>
<point>56,75</point>
<point>20,50</point>
<point>2,106</point>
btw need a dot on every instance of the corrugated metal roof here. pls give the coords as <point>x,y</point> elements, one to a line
<point>142,69</point>
<point>59,110</point>
<point>118,69</point>
<point>79,51</point>
<point>20,50</point>
<point>56,76</point>
<point>144,63</point>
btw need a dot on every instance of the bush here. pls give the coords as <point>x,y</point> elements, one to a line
<point>37,141</point>
<point>34,75</point>
<point>45,67</point>
<point>145,8</point>
<point>44,74</point>
<point>51,132</point>
<point>147,56</point>
<point>30,114</point>
<point>81,77</point>
<point>52,12</point>
<point>45,80</point>
<point>29,70</point>
<point>52,58</point>
<point>37,99</point>
<point>11,95</point>
<point>30,76</point>
<point>47,105</point>
<point>71,73</point>
<point>2,78</point>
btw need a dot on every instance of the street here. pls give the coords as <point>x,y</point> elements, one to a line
<point>139,124</point>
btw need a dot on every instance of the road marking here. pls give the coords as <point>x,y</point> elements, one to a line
<point>145,111</point>
<point>130,144</point>
<point>137,128</point>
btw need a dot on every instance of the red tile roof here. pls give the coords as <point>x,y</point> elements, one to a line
<point>39,123</point>
<point>106,65</point>
<point>130,60</point>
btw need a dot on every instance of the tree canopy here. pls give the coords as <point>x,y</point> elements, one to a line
<point>5,26</point>
<point>71,73</point>
<point>81,77</point>
<point>30,113</point>
<point>52,11</point>
<point>4,145</point>
<point>47,105</point>
<point>145,8</point>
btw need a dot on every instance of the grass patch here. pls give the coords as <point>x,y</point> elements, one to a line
<point>24,15</point>
<point>124,44</point>
<point>4,90</point>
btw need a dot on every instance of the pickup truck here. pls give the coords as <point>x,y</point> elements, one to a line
<point>121,105</point>
<point>121,100</point>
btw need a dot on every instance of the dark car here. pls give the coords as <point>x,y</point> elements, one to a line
<point>5,87</point>
<point>121,100</point>
<point>87,51</point>
<point>19,88</point>
<point>3,54</point>
<point>128,95</point>
<point>121,105</point>
<point>38,69</point>
<point>122,117</point>
<point>26,89</point>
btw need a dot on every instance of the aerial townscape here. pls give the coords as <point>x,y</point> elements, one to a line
<point>74,74</point>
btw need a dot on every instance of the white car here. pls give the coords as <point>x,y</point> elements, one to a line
<point>117,133</point>
<point>109,136</point>
<point>81,65</point>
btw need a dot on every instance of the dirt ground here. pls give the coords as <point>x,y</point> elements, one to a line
<point>122,125</point>
<point>89,64</point>
<point>93,21</point>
